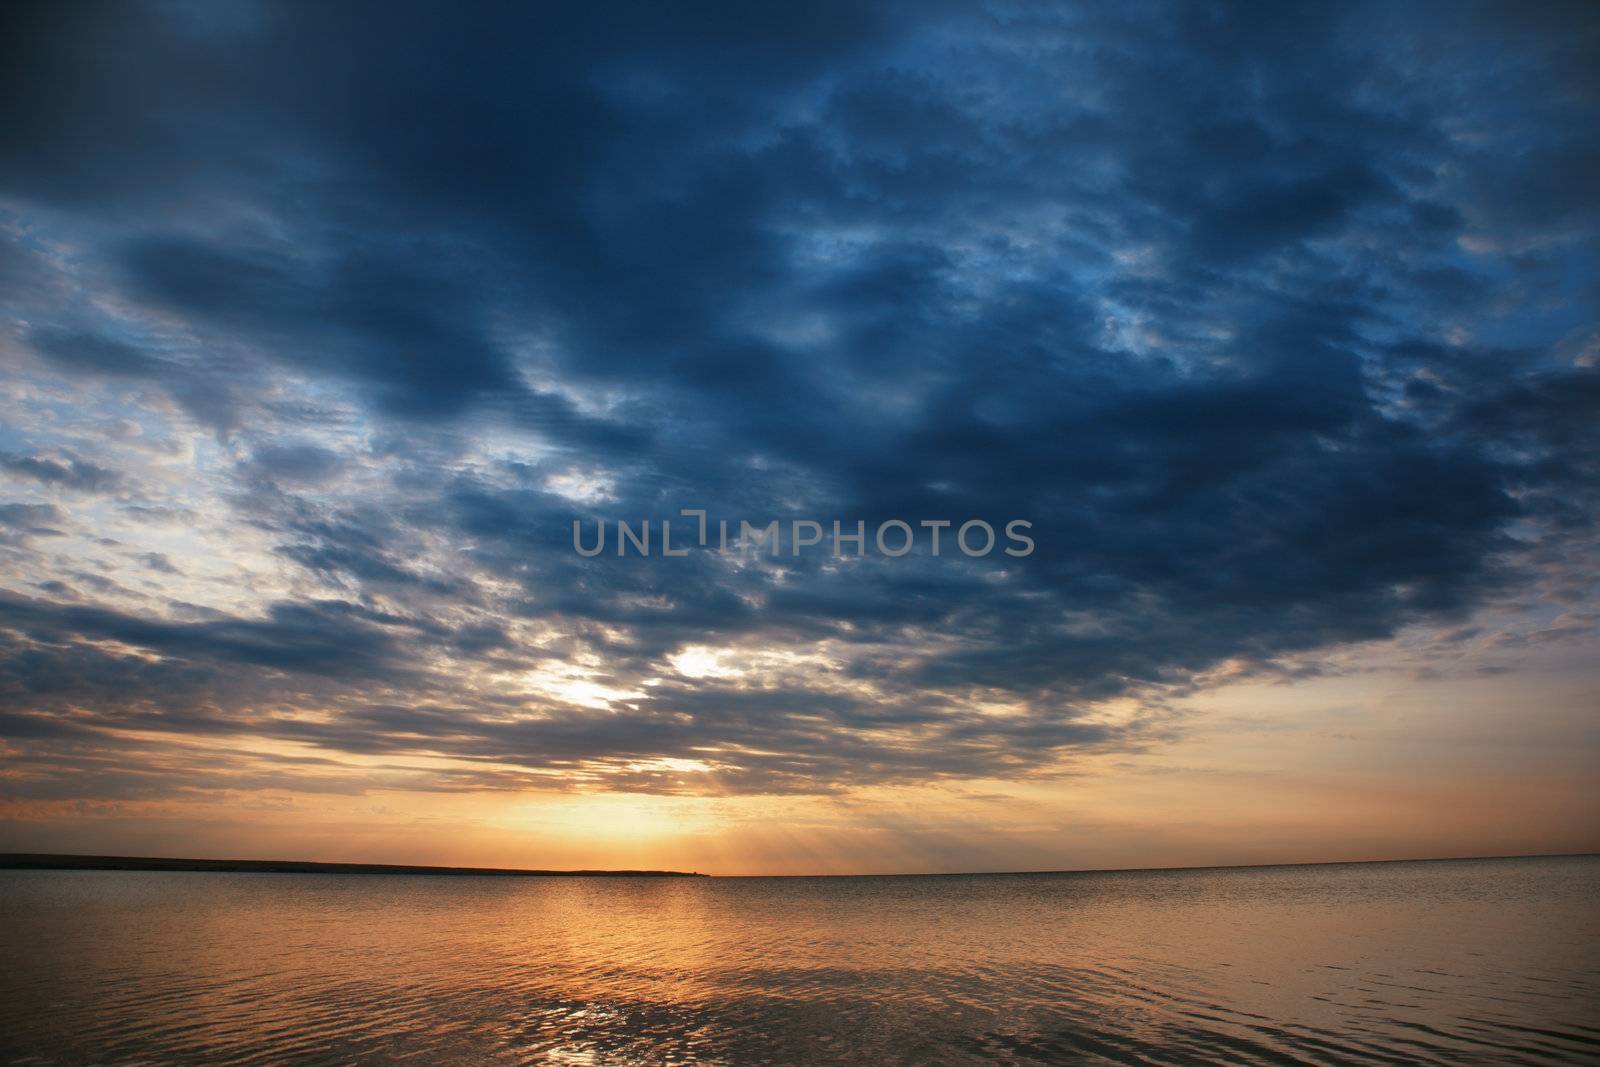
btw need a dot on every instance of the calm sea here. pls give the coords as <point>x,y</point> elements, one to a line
<point>1441,962</point>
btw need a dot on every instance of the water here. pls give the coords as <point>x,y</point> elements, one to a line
<point>1447,962</point>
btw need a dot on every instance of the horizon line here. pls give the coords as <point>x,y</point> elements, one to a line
<point>157,864</point>
<point>69,861</point>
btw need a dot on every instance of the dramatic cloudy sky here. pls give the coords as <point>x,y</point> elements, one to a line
<point>323,322</point>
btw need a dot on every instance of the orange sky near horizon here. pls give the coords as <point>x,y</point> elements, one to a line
<point>1375,761</point>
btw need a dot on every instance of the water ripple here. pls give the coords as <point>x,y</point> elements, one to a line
<point>1491,961</point>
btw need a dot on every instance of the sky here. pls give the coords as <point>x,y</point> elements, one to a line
<point>322,324</point>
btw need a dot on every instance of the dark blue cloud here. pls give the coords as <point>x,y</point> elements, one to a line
<point>68,472</point>
<point>1272,321</point>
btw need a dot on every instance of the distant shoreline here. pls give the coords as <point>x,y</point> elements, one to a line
<point>45,861</point>
<point>1285,865</point>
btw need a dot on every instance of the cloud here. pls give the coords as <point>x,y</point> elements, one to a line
<point>301,462</point>
<point>1248,312</point>
<point>69,472</point>
<point>21,521</point>
<point>92,353</point>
